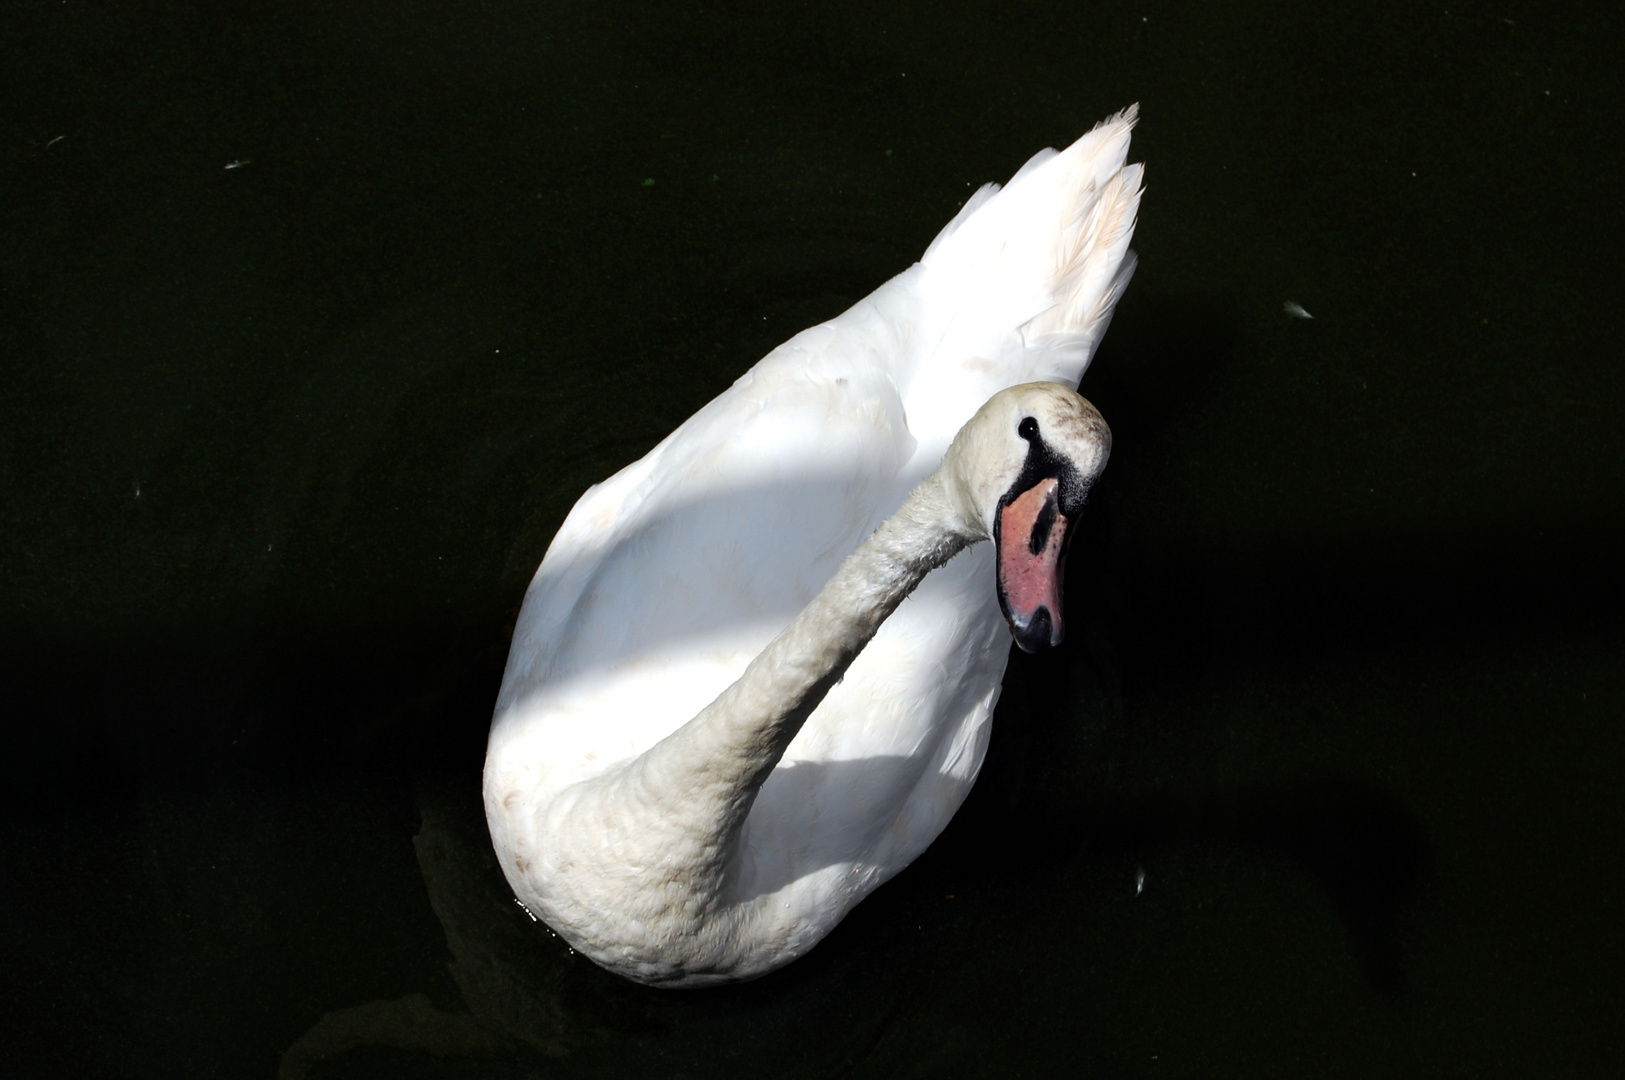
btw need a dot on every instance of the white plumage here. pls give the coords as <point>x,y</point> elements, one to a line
<point>666,580</point>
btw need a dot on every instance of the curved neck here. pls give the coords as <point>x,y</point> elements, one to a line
<point>700,781</point>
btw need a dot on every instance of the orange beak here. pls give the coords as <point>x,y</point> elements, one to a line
<point>1032,565</point>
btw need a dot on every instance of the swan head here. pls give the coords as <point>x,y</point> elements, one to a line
<point>1020,471</point>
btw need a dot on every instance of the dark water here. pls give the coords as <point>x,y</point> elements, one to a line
<point>280,445</point>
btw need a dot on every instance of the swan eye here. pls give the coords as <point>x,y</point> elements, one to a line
<point>1028,429</point>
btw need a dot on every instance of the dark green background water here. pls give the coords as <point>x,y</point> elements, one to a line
<point>280,446</point>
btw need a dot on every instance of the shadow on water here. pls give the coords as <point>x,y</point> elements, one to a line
<point>304,769</point>
<point>178,756</point>
<point>1362,848</point>
<point>1053,790</point>
<point>529,995</point>
<point>233,816</point>
<point>250,801</point>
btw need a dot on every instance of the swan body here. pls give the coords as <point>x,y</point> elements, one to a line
<point>753,676</point>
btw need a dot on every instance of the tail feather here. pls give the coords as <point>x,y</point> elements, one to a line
<point>1094,268</point>
<point>1048,252</point>
<point>1062,357</point>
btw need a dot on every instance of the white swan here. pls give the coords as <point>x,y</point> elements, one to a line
<point>691,782</point>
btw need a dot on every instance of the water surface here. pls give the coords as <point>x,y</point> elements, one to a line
<point>1322,782</point>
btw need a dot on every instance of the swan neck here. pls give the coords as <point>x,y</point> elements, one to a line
<point>707,773</point>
